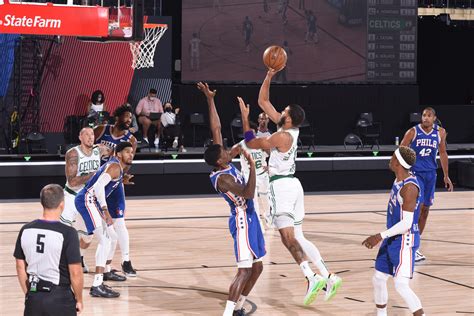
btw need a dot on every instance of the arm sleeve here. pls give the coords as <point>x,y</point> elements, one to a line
<point>401,227</point>
<point>73,254</point>
<point>18,253</point>
<point>99,188</point>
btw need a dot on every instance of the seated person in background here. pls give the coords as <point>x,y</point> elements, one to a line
<point>171,124</point>
<point>146,106</point>
<point>95,108</point>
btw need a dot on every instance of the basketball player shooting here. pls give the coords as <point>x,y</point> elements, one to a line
<point>244,225</point>
<point>286,192</point>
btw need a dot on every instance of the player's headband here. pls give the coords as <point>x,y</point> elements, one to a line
<point>401,160</point>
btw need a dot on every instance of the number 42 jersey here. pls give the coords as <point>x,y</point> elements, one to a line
<point>426,147</point>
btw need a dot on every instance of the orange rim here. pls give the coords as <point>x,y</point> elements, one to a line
<point>152,25</point>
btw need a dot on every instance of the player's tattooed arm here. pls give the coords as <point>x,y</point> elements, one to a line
<point>72,160</point>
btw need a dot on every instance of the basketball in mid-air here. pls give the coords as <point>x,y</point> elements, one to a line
<point>275,57</point>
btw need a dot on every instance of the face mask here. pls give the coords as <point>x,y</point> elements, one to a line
<point>152,98</point>
<point>168,110</point>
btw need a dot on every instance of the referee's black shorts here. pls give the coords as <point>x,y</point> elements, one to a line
<point>60,301</point>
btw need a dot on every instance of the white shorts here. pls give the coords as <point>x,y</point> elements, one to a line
<point>70,216</point>
<point>247,263</point>
<point>263,183</point>
<point>287,202</point>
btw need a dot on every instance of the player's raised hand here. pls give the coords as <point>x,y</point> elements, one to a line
<point>271,72</point>
<point>204,87</point>
<point>244,108</point>
<point>248,157</point>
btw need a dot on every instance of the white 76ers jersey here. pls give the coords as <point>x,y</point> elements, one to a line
<point>284,164</point>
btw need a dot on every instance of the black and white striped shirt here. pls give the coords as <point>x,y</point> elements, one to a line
<point>48,247</point>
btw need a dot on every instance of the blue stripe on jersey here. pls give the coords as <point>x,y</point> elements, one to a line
<point>110,141</point>
<point>426,147</point>
<point>233,200</point>
<point>112,185</point>
<point>395,212</point>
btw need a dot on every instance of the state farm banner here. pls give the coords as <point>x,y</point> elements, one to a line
<point>49,19</point>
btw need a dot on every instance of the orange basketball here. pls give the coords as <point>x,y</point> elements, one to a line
<point>275,57</point>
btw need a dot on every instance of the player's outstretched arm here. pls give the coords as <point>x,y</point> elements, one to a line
<point>99,131</point>
<point>443,157</point>
<point>264,98</point>
<point>408,138</point>
<point>214,120</point>
<point>280,140</point>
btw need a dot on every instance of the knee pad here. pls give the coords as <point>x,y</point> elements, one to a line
<point>403,288</point>
<point>379,281</point>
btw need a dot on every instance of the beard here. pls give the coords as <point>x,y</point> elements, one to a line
<point>281,122</point>
<point>123,126</point>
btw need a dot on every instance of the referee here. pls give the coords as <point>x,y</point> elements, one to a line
<point>48,262</point>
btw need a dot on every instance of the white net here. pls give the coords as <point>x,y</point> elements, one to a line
<point>143,52</point>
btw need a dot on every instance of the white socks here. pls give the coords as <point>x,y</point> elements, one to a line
<point>311,251</point>
<point>229,308</point>
<point>306,269</point>
<point>123,238</point>
<point>98,279</point>
<point>382,311</point>
<point>240,302</point>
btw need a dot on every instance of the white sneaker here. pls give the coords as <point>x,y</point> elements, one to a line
<point>146,139</point>
<point>419,256</point>
<point>175,143</point>
<point>333,284</point>
<point>315,284</point>
<point>157,142</point>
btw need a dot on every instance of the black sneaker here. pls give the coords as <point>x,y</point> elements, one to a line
<point>240,312</point>
<point>102,291</point>
<point>128,269</point>
<point>85,268</point>
<point>114,276</point>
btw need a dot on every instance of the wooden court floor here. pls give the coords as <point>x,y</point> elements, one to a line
<point>183,253</point>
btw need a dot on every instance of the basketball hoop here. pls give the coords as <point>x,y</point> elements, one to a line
<point>143,52</point>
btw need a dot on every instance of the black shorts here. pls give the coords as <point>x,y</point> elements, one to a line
<point>60,301</point>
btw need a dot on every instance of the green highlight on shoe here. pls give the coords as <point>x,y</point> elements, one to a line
<point>334,289</point>
<point>314,292</point>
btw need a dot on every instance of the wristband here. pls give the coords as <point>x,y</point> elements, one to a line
<point>249,135</point>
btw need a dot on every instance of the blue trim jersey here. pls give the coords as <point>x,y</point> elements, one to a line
<point>426,146</point>
<point>396,255</point>
<point>111,141</point>
<point>86,201</point>
<point>112,185</point>
<point>394,210</point>
<point>233,200</point>
<point>244,223</point>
